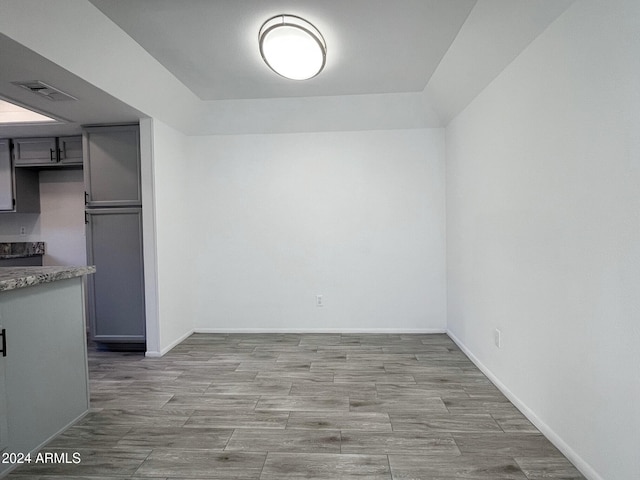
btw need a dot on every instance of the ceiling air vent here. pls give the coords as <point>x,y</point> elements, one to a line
<point>44,90</point>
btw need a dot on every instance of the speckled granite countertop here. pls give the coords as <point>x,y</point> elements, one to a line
<point>20,249</point>
<point>19,277</point>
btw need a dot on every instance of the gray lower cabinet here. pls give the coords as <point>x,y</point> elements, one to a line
<point>4,428</point>
<point>116,290</point>
<point>45,369</point>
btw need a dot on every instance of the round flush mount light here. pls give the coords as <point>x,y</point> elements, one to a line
<point>292,47</point>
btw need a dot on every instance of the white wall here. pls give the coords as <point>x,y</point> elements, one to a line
<point>11,224</point>
<point>543,233</point>
<point>62,225</point>
<point>176,240</point>
<point>357,217</point>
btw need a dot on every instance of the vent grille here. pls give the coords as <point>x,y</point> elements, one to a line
<point>45,90</point>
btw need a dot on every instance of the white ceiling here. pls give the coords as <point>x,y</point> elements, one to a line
<point>195,64</point>
<point>373,46</point>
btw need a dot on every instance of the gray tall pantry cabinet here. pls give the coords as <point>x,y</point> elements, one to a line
<point>114,235</point>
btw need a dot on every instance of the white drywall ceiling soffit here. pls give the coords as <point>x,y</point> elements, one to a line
<point>292,47</point>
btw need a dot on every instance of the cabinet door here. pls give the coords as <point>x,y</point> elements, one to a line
<point>4,434</point>
<point>6,177</point>
<point>19,188</point>
<point>112,166</point>
<point>35,151</point>
<point>46,363</point>
<point>70,150</point>
<point>116,290</point>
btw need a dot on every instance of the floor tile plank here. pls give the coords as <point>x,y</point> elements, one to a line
<point>414,443</point>
<point>405,467</point>
<point>291,441</point>
<point>395,404</point>
<point>371,421</point>
<point>437,422</point>
<point>318,466</point>
<point>176,437</point>
<point>546,468</point>
<point>201,464</point>
<point>291,403</point>
<point>229,418</point>
<point>505,444</point>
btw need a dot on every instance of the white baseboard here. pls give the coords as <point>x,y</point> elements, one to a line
<point>391,331</point>
<point>546,430</point>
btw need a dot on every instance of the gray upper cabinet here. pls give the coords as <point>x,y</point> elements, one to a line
<point>6,177</point>
<point>48,152</point>
<point>19,188</point>
<point>35,151</point>
<point>70,150</point>
<point>112,166</point>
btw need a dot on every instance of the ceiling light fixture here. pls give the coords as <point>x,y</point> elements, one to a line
<point>292,47</point>
<point>12,114</point>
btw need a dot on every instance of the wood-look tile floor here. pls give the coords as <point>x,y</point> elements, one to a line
<point>300,406</point>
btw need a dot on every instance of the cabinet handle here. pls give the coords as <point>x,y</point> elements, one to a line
<point>3,334</point>
<point>52,152</point>
<point>61,154</point>
<point>86,198</point>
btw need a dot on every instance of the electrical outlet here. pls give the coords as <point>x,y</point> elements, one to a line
<point>497,338</point>
<point>23,230</point>
<point>319,301</point>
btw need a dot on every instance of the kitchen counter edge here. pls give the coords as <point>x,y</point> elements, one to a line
<point>12,278</point>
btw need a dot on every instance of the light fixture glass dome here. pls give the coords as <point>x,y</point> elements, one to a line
<point>292,47</point>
